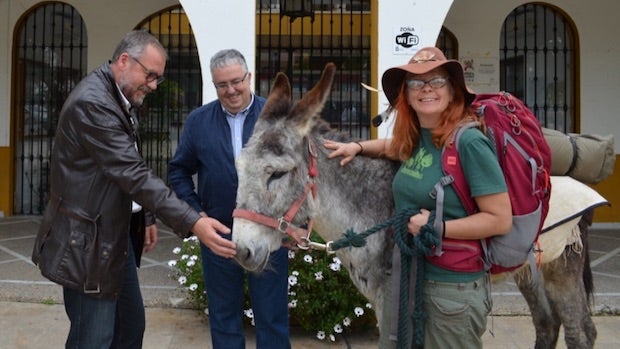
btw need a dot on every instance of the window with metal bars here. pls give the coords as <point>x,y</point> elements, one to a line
<point>537,63</point>
<point>300,37</point>
<point>50,48</point>
<point>164,111</point>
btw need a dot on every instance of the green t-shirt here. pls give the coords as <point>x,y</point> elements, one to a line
<point>414,182</point>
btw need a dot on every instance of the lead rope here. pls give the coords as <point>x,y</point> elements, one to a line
<point>419,246</point>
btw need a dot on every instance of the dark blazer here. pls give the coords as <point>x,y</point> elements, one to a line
<point>205,148</point>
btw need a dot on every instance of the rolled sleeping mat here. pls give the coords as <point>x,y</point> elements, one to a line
<point>587,158</point>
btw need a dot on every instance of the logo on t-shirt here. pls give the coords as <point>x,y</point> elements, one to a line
<point>415,165</point>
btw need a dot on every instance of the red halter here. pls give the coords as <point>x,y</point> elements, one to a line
<point>283,224</point>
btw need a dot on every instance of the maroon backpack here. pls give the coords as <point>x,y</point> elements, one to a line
<point>525,159</point>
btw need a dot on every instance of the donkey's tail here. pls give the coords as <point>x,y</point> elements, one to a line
<point>584,227</point>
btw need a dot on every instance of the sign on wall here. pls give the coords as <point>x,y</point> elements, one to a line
<point>406,40</point>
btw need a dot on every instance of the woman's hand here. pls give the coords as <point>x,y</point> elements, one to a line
<point>417,221</point>
<point>346,150</point>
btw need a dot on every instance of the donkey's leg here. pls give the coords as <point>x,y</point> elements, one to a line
<point>568,284</point>
<point>546,321</point>
<point>568,298</point>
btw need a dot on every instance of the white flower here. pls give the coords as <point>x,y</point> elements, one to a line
<point>337,260</point>
<point>368,305</point>
<point>346,321</point>
<point>191,263</point>
<point>308,259</point>
<point>332,338</point>
<point>320,335</point>
<point>176,250</point>
<point>359,311</point>
<point>292,280</point>
<point>182,280</point>
<point>291,254</point>
<point>338,328</point>
<point>334,266</point>
<point>184,257</point>
<point>295,272</point>
<point>191,238</point>
<point>193,257</point>
<point>172,263</point>
<point>318,275</point>
<point>292,304</point>
<point>193,287</point>
<point>249,313</point>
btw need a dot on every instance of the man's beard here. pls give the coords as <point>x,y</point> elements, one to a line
<point>137,101</point>
<point>131,94</point>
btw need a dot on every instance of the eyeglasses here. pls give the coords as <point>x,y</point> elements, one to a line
<point>434,83</point>
<point>223,86</point>
<point>150,75</point>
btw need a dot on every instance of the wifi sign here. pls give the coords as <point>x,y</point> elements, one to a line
<point>407,40</point>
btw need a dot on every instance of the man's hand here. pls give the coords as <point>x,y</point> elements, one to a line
<point>150,237</point>
<point>206,229</point>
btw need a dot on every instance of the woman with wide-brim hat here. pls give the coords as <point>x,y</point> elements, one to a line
<point>430,99</point>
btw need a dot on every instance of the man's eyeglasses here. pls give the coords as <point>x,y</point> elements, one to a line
<point>150,75</point>
<point>434,83</point>
<point>223,86</point>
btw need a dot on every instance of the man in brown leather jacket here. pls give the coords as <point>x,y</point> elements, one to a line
<point>97,179</point>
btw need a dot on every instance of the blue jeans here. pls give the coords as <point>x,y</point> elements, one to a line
<point>107,323</point>
<point>224,283</point>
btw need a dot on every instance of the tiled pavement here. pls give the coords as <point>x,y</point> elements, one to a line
<point>27,322</point>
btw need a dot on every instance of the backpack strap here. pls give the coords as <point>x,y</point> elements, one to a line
<point>450,160</point>
<point>462,189</point>
<point>533,166</point>
<point>438,195</point>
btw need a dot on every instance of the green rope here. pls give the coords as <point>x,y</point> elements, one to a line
<point>419,246</point>
<point>352,239</point>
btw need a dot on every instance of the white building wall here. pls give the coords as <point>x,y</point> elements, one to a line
<point>422,18</point>
<point>217,26</point>
<point>476,23</point>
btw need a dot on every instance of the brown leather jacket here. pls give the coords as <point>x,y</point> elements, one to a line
<point>96,171</point>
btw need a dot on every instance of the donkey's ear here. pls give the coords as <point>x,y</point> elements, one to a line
<point>279,101</point>
<point>306,112</point>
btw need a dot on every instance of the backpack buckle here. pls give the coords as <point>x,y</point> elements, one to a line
<point>443,181</point>
<point>446,180</point>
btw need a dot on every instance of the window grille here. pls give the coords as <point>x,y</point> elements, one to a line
<point>537,64</point>
<point>164,111</point>
<point>50,60</point>
<point>300,41</point>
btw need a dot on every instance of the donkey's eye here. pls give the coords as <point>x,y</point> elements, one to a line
<point>275,176</point>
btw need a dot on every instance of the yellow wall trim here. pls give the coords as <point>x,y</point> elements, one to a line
<point>6,183</point>
<point>609,190</point>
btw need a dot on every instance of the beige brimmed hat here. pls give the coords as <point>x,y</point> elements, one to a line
<point>425,60</point>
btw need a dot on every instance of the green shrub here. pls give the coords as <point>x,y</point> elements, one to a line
<point>322,298</point>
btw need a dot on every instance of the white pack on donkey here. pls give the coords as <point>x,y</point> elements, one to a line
<point>286,181</point>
